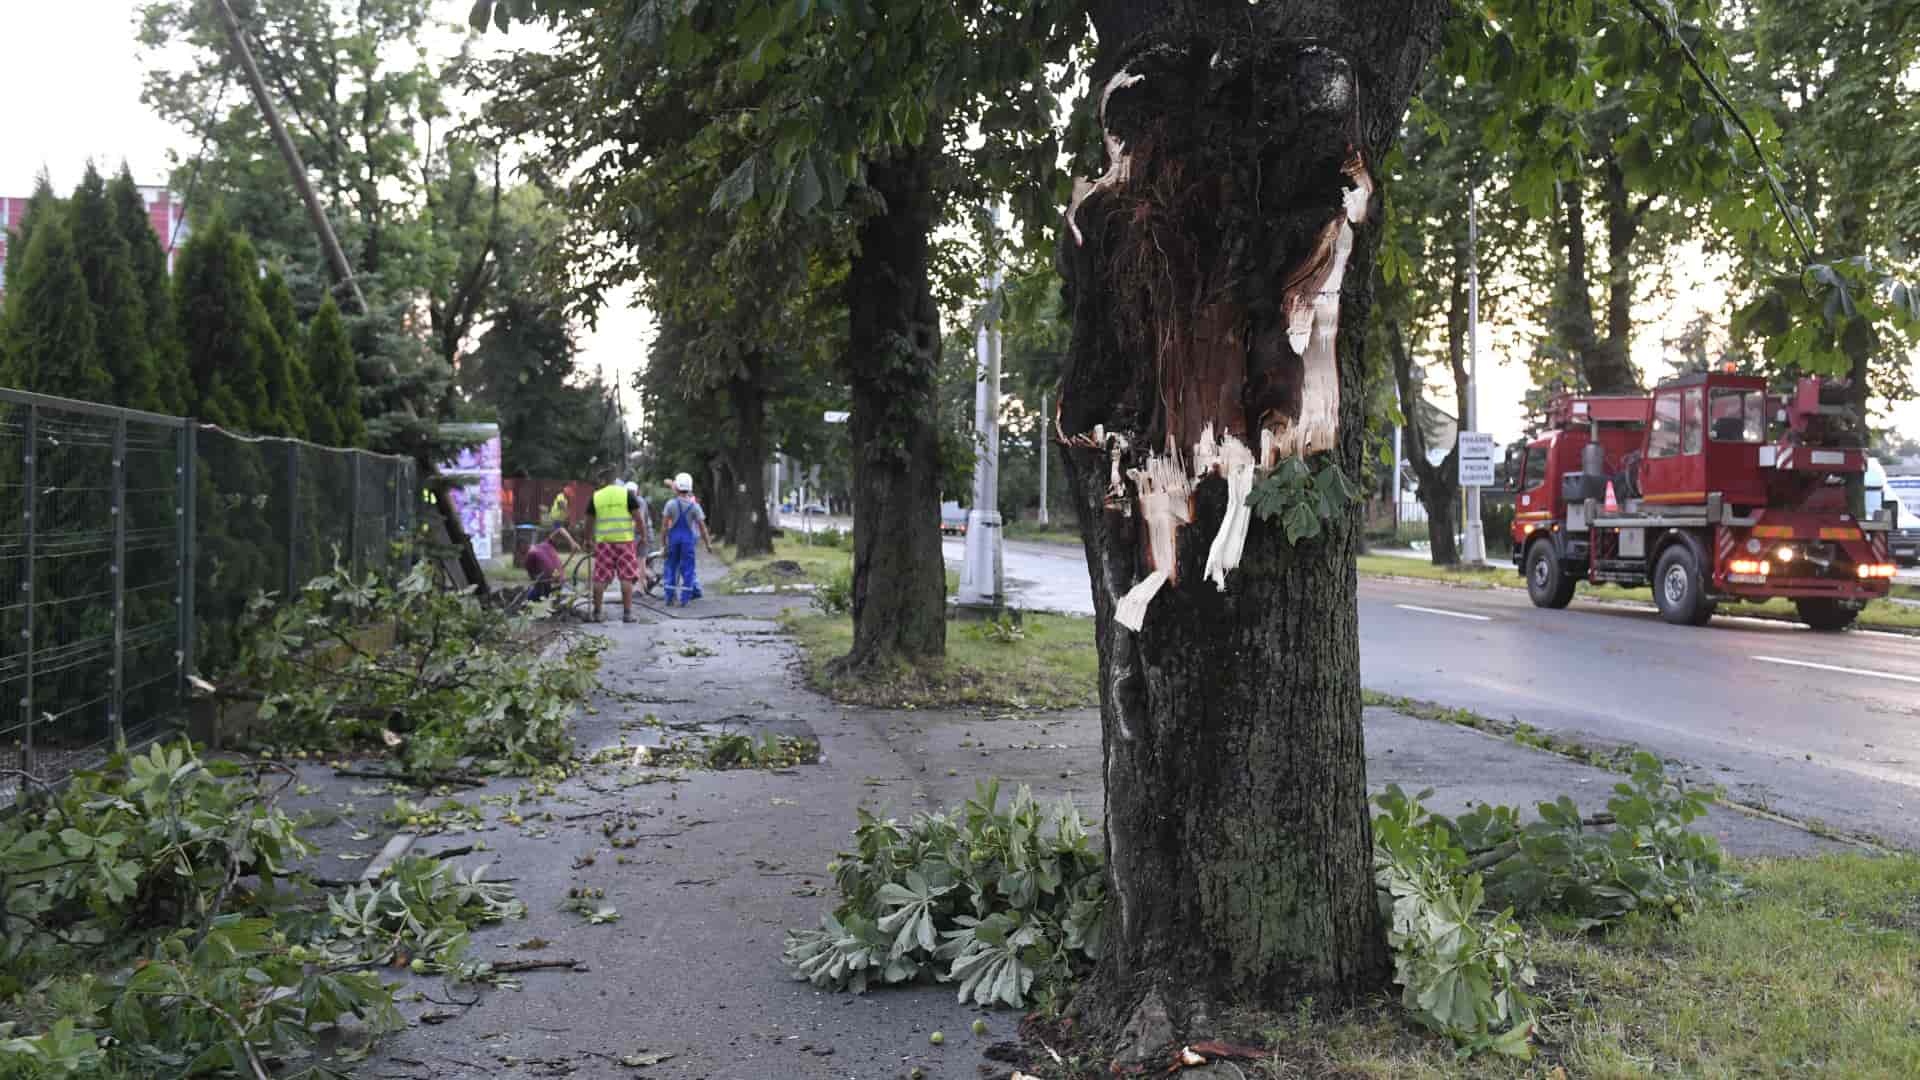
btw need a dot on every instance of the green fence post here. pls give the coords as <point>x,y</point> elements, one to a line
<point>29,485</point>
<point>185,469</point>
<point>117,704</point>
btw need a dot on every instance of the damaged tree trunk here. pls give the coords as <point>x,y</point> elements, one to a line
<point>752,529</point>
<point>899,579</point>
<point>1218,277</point>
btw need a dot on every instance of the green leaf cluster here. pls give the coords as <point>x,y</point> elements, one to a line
<point>1300,499</point>
<point>458,679</point>
<point>1008,902</point>
<point>152,926</point>
<point>1464,971</point>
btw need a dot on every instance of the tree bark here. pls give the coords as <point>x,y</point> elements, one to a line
<point>719,502</point>
<point>752,529</point>
<point>899,578</point>
<point>1439,495</point>
<point>1604,363</point>
<point>1238,839</point>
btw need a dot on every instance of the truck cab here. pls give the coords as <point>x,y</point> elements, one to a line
<point>1708,489</point>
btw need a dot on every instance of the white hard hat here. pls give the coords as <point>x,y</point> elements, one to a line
<point>683,482</point>
<point>633,487</point>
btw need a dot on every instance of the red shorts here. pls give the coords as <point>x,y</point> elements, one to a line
<point>615,560</point>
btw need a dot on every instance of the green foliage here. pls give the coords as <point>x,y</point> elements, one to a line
<point>172,382</point>
<point>49,331</point>
<point>1301,500</point>
<point>417,916</point>
<point>119,306</point>
<point>221,321</point>
<point>1008,902</point>
<point>459,679</point>
<point>289,389</point>
<point>1464,972</point>
<point>1003,629</point>
<point>151,928</point>
<point>553,424</point>
<point>834,596</point>
<point>333,413</point>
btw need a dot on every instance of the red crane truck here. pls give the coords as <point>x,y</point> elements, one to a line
<point>1708,489</point>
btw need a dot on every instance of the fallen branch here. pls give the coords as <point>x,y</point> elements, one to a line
<point>1499,853</point>
<point>423,780</point>
<point>509,967</point>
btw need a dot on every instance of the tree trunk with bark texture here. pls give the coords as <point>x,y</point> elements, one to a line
<point>899,578</point>
<point>752,528</point>
<point>718,501</point>
<point>1233,216</point>
<point>1604,362</point>
<point>1438,494</point>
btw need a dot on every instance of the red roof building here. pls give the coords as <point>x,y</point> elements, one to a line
<point>164,213</point>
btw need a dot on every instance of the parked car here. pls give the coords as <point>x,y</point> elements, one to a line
<point>813,508</point>
<point>953,519</point>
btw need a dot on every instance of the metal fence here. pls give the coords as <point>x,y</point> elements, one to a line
<point>130,546</point>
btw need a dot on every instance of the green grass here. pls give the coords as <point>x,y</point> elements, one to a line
<point>1813,972</point>
<point>1051,666</point>
<point>1879,614</point>
<point>1049,534</point>
<point>800,563</point>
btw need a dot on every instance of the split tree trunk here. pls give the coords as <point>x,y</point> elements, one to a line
<point>899,578</point>
<point>1238,839</point>
<point>752,529</point>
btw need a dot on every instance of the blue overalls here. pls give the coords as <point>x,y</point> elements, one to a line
<point>680,560</point>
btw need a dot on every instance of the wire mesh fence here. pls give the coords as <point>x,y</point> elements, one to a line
<point>130,547</point>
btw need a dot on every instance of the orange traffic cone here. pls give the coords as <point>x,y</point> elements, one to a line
<point>1612,505</point>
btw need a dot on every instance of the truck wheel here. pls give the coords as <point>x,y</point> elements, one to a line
<point>1678,590</point>
<point>1548,583</point>
<point>1824,614</point>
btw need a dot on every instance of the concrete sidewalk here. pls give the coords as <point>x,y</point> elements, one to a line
<point>722,863</point>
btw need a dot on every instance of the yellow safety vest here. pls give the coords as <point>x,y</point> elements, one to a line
<point>558,511</point>
<point>612,521</point>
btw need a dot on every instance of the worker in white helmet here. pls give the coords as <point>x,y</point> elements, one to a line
<point>681,519</point>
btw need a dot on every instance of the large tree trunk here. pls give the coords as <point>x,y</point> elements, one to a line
<point>1603,361</point>
<point>1439,494</point>
<point>752,529</point>
<point>1233,217</point>
<point>899,578</point>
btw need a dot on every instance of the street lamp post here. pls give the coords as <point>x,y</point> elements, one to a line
<point>980,575</point>
<point>1476,553</point>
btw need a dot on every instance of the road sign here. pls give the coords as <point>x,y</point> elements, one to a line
<point>835,416</point>
<point>1476,459</point>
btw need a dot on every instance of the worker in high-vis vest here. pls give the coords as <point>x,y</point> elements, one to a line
<point>557,513</point>
<point>614,516</point>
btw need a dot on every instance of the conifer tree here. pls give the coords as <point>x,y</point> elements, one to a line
<point>289,390</point>
<point>217,306</point>
<point>48,330</point>
<point>41,199</point>
<point>335,419</point>
<point>119,309</point>
<point>173,384</point>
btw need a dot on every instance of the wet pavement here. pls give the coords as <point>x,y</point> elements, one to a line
<point>707,869</point>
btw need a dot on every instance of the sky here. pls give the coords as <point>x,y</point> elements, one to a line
<point>82,57</point>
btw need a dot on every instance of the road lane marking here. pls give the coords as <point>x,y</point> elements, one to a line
<point>1842,670</point>
<point>1456,614</point>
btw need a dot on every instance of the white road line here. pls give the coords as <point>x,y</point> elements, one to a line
<point>1842,670</point>
<point>1456,614</point>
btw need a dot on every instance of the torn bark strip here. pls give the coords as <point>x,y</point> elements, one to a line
<point>1312,303</point>
<point>1119,166</point>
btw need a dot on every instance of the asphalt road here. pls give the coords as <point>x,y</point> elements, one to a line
<point>1822,727</point>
